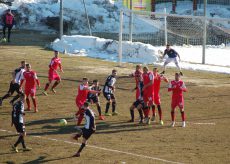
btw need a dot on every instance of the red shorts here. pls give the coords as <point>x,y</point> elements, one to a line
<point>157,100</point>
<point>30,91</point>
<point>79,103</point>
<point>178,102</point>
<point>148,97</point>
<point>53,76</point>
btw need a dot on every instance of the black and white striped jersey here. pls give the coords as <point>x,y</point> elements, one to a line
<point>18,112</point>
<point>89,119</point>
<point>109,84</point>
<point>18,74</point>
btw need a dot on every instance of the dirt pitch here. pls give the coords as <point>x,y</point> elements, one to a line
<point>206,139</point>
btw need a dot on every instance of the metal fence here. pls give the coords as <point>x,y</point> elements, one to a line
<point>159,29</point>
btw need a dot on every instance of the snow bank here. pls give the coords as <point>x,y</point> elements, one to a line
<point>106,49</point>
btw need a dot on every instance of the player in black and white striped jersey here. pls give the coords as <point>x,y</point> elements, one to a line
<point>88,129</point>
<point>108,92</point>
<point>15,83</point>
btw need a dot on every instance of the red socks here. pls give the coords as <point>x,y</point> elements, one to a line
<point>28,103</point>
<point>173,116</point>
<point>183,116</point>
<point>47,86</point>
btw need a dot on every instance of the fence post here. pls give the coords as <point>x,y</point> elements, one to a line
<point>61,19</point>
<point>131,22</point>
<point>120,38</point>
<point>204,34</point>
<point>166,32</point>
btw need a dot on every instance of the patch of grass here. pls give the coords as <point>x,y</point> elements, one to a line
<point>207,100</point>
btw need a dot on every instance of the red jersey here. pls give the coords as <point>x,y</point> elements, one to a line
<point>55,63</point>
<point>31,79</point>
<point>148,77</point>
<point>82,93</point>
<point>177,88</point>
<point>157,82</point>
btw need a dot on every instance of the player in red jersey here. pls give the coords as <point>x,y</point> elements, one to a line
<point>53,74</point>
<point>177,87</point>
<point>148,80</point>
<point>156,96</point>
<point>138,78</point>
<point>81,98</point>
<point>30,86</point>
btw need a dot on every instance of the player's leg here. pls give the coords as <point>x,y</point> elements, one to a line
<point>4,31</point>
<point>113,105</point>
<point>9,32</point>
<point>27,93</point>
<point>55,85</point>
<point>131,109</point>
<point>153,112</point>
<point>167,61</point>
<point>139,108</point>
<point>108,98</point>
<point>19,91</point>
<point>177,63</point>
<point>33,96</point>
<point>8,94</point>
<point>173,115</point>
<point>181,106</point>
<point>86,133</point>
<point>99,110</point>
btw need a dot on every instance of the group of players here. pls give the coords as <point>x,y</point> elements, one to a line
<point>147,96</point>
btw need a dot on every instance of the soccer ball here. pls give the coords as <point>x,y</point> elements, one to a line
<point>62,122</point>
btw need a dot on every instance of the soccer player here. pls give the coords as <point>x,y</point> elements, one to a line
<point>15,83</point>
<point>156,96</point>
<point>18,122</point>
<point>108,92</point>
<point>31,79</point>
<point>148,81</point>
<point>81,98</point>
<point>88,130</point>
<point>8,23</point>
<point>53,74</point>
<point>94,98</point>
<point>139,103</point>
<point>177,87</point>
<point>172,57</point>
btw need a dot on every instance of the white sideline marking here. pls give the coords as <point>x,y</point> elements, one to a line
<point>101,148</point>
<point>200,123</point>
<point>17,52</point>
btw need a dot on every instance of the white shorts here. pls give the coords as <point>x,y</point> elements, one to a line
<point>169,60</point>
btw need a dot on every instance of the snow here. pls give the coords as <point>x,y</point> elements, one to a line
<point>104,14</point>
<point>217,57</point>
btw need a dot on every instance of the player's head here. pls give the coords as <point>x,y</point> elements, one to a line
<point>23,63</point>
<point>28,67</point>
<point>145,69</point>
<point>8,11</point>
<point>155,70</point>
<point>168,46</point>
<point>114,72</point>
<point>85,80</point>
<point>95,82</point>
<point>86,105</point>
<point>138,67</point>
<point>56,53</point>
<point>177,76</point>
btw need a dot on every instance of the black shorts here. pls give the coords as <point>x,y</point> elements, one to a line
<point>19,127</point>
<point>139,102</point>
<point>109,96</point>
<point>86,133</point>
<point>93,99</point>
<point>14,87</point>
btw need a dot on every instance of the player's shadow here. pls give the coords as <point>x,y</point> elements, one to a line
<point>47,121</point>
<point>42,159</point>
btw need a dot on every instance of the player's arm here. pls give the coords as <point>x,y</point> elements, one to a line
<point>37,80</point>
<point>151,77</point>
<point>183,87</point>
<point>165,52</point>
<point>22,80</point>
<point>165,79</point>
<point>170,87</point>
<point>60,67</point>
<point>177,54</point>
